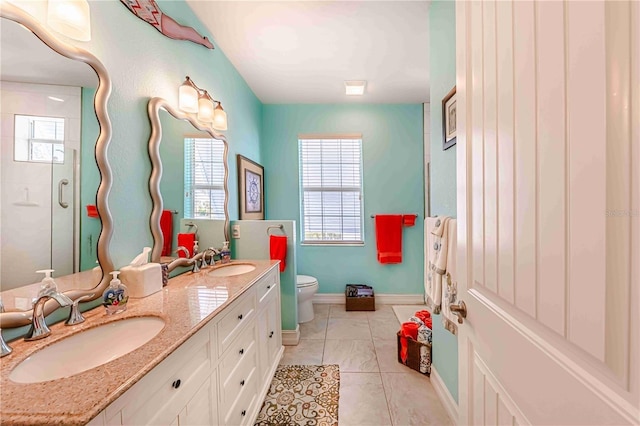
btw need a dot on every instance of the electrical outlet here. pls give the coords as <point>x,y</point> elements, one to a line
<point>235,231</point>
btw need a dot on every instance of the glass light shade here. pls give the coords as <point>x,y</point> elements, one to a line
<point>188,98</point>
<point>219,118</point>
<point>205,108</point>
<point>71,18</point>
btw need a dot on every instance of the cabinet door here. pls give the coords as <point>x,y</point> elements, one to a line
<point>274,331</point>
<point>201,408</point>
<point>263,342</point>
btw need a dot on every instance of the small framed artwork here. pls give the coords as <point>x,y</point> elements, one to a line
<point>449,120</point>
<point>250,189</point>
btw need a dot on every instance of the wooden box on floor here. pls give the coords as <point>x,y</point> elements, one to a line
<point>413,354</point>
<point>359,303</point>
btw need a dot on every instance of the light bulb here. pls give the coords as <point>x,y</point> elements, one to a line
<point>71,18</point>
<point>205,108</point>
<point>188,97</point>
<point>219,118</point>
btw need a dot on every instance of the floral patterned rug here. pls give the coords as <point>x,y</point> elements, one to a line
<point>302,395</point>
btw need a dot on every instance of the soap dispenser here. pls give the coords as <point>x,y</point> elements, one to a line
<point>116,296</point>
<point>47,285</point>
<point>225,253</point>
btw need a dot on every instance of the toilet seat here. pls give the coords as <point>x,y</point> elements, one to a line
<point>303,281</point>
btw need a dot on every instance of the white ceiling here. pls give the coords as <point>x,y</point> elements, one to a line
<point>303,51</point>
<point>26,59</point>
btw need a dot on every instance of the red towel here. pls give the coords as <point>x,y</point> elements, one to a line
<point>409,219</point>
<point>425,317</point>
<point>278,250</point>
<point>407,329</point>
<point>389,238</point>
<point>166,226</point>
<point>187,241</point>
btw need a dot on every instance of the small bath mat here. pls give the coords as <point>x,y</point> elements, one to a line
<point>404,312</point>
<point>302,395</point>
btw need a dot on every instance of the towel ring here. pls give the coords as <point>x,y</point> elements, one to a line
<point>280,227</point>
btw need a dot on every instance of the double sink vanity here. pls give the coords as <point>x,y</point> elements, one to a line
<point>201,351</point>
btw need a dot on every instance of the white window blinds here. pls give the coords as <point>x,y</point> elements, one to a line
<point>203,178</point>
<point>39,139</point>
<point>331,190</point>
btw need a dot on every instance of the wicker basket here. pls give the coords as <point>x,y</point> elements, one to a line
<point>413,354</point>
<point>359,303</point>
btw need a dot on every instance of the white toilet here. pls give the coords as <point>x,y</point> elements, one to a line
<point>307,287</point>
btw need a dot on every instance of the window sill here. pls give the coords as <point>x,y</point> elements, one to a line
<point>332,244</point>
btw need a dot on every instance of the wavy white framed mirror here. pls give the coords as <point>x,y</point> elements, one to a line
<point>52,136</point>
<point>175,138</point>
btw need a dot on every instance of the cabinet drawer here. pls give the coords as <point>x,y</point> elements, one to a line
<point>238,350</point>
<point>239,313</point>
<point>158,397</point>
<point>240,410</point>
<point>239,379</point>
<point>267,285</point>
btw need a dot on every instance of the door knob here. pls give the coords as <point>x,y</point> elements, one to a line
<point>459,310</point>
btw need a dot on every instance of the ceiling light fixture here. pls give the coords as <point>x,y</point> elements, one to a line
<point>71,18</point>
<point>193,99</point>
<point>355,87</point>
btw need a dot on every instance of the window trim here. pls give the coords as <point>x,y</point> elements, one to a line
<point>360,189</point>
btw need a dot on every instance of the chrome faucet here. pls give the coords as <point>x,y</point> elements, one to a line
<point>39,329</point>
<point>184,250</point>
<point>4,348</point>
<point>214,252</point>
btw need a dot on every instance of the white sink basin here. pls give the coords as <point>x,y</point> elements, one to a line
<point>87,349</point>
<point>232,269</point>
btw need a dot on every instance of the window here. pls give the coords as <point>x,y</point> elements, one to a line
<point>331,189</point>
<point>204,178</point>
<point>39,139</point>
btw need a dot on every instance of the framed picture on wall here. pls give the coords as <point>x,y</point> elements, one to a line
<point>449,117</point>
<point>250,189</point>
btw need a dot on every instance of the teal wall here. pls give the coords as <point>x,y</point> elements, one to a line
<point>392,139</point>
<point>89,180</point>
<point>142,64</point>
<point>442,47</point>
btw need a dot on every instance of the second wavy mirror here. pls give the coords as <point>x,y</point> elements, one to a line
<point>188,182</point>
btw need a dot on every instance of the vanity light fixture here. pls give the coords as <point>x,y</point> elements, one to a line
<point>355,87</point>
<point>71,18</point>
<point>193,99</point>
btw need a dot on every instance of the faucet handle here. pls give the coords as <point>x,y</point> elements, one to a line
<point>4,348</point>
<point>75,317</point>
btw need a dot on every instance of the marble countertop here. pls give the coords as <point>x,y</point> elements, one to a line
<point>186,305</point>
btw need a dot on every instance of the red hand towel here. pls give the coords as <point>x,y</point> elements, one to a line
<point>408,219</point>
<point>278,250</point>
<point>407,329</point>
<point>389,238</point>
<point>425,317</point>
<point>187,241</point>
<point>166,226</point>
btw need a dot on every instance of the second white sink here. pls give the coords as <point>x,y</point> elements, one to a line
<point>232,269</point>
<point>87,349</point>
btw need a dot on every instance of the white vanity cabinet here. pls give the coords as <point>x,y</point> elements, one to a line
<point>269,324</point>
<point>218,376</point>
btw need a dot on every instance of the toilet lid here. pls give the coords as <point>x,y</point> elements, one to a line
<point>305,281</point>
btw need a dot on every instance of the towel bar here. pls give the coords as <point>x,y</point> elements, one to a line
<point>280,227</point>
<point>410,214</point>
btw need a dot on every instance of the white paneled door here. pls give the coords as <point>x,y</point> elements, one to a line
<point>549,211</point>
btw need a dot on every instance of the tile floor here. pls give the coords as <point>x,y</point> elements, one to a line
<point>374,388</point>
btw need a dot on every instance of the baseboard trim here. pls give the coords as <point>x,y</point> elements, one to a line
<point>382,299</point>
<point>291,337</point>
<point>443,393</point>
